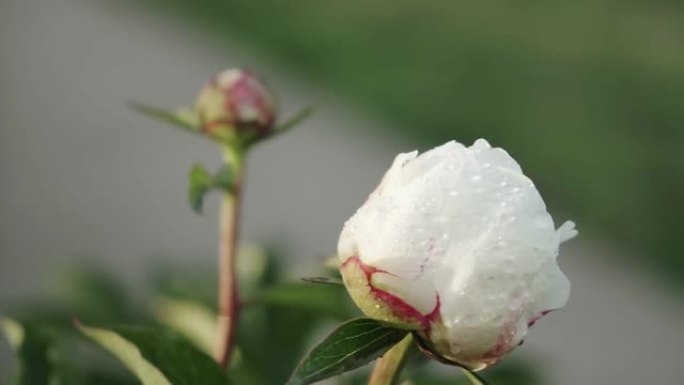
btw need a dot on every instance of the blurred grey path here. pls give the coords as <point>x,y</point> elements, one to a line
<point>84,176</point>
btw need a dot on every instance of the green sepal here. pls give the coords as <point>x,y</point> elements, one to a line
<point>353,344</point>
<point>249,140</point>
<point>294,120</point>
<point>185,118</point>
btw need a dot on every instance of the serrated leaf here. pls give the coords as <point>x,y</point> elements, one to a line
<point>353,344</point>
<point>186,119</point>
<point>31,347</point>
<point>156,356</point>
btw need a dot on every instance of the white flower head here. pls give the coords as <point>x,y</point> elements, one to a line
<point>457,242</point>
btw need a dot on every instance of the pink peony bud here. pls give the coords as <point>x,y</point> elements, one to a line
<point>236,104</point>
<point>456,242</point>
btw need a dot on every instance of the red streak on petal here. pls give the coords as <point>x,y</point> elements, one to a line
<point>435,313</point>
<point>399,307</point>
<point>368,270</point>
<point>538,317</point>
<point>501,347</point>
<point>503,343</point>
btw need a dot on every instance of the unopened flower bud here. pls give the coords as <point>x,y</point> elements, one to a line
<point>236,104</point>
<point>457,243</point>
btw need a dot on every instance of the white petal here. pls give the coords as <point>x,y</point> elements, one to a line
<point>464,224</point>
<point>567,231</point>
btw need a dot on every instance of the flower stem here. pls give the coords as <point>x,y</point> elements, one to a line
<point>228,299</point>
<point>387,367</point>
<point>473,378</point>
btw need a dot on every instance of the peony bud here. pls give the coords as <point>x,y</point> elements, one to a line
<point>457,243</point>
<point>236,104</point>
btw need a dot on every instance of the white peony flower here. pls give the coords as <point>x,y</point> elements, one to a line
<point>457,242</point>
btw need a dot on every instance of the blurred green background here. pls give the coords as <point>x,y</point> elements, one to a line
<point>588,96</point>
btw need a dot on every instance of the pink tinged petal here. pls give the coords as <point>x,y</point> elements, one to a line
<point>466,223</point>
<point>538,317</point>
<point>400,309</point>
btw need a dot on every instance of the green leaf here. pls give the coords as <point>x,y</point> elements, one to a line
<point>353,344</point>
<point>156,356</point>
<point>91,291</point>
<point>324,280</point>
<point>223,179</point>
<point>200,184</point>
<point>193,320</point>
<point>32,347</point>
<point>324,299</point>
<point>294,120</point>
<point>186,118</point>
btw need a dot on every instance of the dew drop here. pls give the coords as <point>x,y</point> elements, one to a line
<point>476,178</point>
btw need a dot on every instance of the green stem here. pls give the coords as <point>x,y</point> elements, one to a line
<point>228,299</point>
<point>474,378</point>
<point>388,367</point>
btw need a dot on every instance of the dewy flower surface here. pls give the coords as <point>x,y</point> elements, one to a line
<point>457,242</point>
